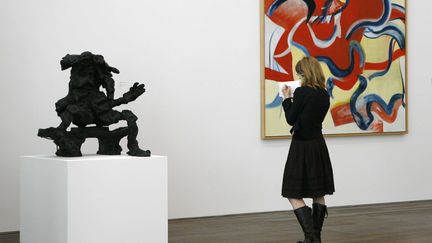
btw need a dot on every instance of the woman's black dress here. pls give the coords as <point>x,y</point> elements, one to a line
<point>308,170</point>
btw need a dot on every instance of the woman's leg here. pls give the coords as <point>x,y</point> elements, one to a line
<point>319,200</point>
<point>296,203</point>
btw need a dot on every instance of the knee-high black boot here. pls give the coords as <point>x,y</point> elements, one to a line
<point>304,216</point>
<point>319,211</point>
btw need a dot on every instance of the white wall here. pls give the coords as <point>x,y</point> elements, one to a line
<point>200,63</point>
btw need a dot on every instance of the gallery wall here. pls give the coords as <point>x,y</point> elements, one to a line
<point>200,63</point>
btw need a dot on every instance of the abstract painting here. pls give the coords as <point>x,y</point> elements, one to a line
<point>360,45</point>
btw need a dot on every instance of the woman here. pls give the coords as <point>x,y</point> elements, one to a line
<point>308,171</point>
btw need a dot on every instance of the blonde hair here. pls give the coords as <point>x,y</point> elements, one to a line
<point>310,69</point>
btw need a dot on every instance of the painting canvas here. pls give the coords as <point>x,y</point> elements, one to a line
<point>360,45</point>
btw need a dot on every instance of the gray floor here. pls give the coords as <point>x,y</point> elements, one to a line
<point>9,237</point>
<point>405,222</point>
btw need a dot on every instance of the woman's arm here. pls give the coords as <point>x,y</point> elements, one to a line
<point>292,106</point>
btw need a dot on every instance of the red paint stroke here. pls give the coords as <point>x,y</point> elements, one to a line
<point>341,114</point>
<point>277,76</point>
<point>382,65</point>
<point>377,126</point>
<point>383,115</point>
<point>396,14</point>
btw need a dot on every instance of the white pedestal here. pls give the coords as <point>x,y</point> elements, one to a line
<point>94,199</point>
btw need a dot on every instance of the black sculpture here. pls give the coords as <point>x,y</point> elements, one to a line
<point>85,104</point>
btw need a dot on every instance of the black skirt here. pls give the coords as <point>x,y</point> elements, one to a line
<point>308,171</point>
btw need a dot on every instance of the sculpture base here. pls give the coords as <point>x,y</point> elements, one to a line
<point>69,143</point>
<point>93,198</point>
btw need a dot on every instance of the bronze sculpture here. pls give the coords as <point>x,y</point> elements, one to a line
<point>86,105</point>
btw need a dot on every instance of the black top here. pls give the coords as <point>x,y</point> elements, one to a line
<point>306,112</point>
